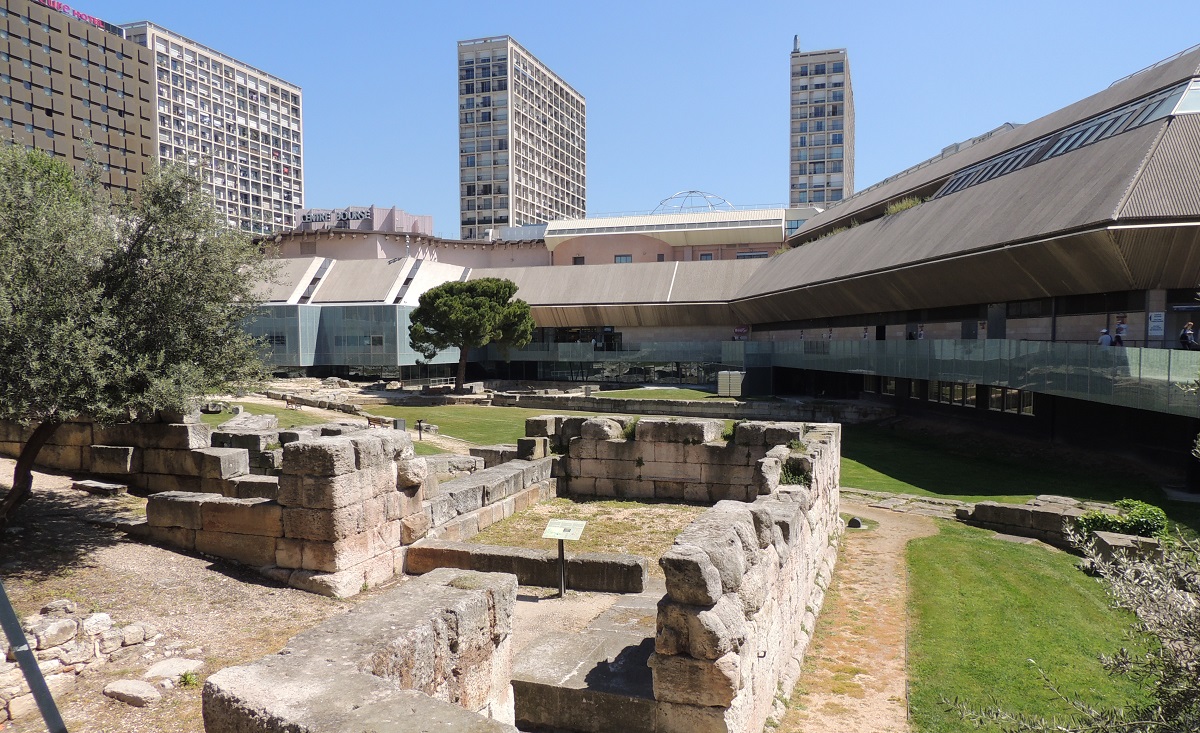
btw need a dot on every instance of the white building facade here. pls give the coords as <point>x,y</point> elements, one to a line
<point>241,125</point>
<point>522,139</point>
<point>822,127</point>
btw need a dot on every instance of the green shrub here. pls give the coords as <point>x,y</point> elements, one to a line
<point>727,433</point>
<point>630,430</point>
<point>189,679</point>
<point>790,476</point>
<point>794,444</point>
<point>1136,518</point>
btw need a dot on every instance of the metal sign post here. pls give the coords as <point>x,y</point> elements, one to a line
<point>563,529</point>
<point>29,666</point>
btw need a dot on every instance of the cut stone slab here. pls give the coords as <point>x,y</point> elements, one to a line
<point>100,488</point>
<point>137,693</point>
<point>171,668</point>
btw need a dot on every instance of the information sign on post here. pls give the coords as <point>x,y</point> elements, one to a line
<point>563,529</point>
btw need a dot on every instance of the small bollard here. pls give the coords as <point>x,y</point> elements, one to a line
<point>420,430</point>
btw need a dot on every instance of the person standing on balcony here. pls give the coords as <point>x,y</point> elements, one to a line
<point>1119,333</point>
<point>1105,339</point>
<point>1187,338</point>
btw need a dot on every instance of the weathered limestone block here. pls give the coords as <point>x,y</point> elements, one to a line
<point>441,509</point>
<point>600,428</point>
<point>414,527</point>
<point>696,682</point>
<point>543,426</point>
<point>701,633</point>
<point>1008,514</point>
<point>223,463</point>
<point>1053,517</point>
<point>325,525</point>
<point>294,434</point>
<point>783,433</point>
<point>494,455</point>
<point>766,475</point>
<point>690,430</point>
<point>50,632</point>
<point>78,434</point>
<point>161,482</point>
<point>691,576</point>
<point>402,503</point>
<point>184,539</point>
<point>326,456</point>
<point>324,492</point>
<point>116,460</point>
<point>62,457</point>
<point>253,440</point>
<point>533,448</point>
<point>167,461</point>
<point>176,509</point>
<point>411,472</point>
<point>253,550</point>
<point>252,487</point>
<point>242,516</point>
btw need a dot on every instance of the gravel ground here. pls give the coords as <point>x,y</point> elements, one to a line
<point>205,609</point>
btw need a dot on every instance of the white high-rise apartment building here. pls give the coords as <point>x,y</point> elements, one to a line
<point>522,139</point>
<point>241,124</point>
<point>822,141</point>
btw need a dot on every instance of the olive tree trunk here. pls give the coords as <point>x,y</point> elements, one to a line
<point>22,486</point>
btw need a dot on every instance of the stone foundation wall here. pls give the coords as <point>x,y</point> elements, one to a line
<point>432,654</point>
<point>588,571</point>
<point>1044,518</point>
<point>346,509</point>
<point>684,459</point>
<point>814,411</point>
<point>745,582</point>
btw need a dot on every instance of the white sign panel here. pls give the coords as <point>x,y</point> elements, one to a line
<point>564,529</point>
<point>1156,325</point>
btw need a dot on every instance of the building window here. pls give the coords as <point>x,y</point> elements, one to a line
<point>888,387</point>
<point>621,259</point>
<point>576,260</point>
<point>751,255</point>
<point>661,258</point>
<point>706,256</point>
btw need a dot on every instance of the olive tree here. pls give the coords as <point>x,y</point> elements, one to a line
<point>469,315</point>
<point>112,309</point>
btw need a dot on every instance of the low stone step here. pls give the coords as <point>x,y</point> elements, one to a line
<point>100,488</point>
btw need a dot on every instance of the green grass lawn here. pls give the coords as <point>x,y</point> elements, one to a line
<point>287,418</point>
<point>666,393</point>
<point>886,460</point>
<point>427,449</point>
<point>982,607</point>
<point>477,424</point>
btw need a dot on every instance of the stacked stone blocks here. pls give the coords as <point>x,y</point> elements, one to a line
<point>671,459</point>
<point>745,582</point>
<point>432,654</point>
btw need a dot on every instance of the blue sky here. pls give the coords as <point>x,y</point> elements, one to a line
<point>680,95</point>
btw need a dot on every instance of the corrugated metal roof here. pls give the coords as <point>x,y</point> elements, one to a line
<point>1126,90</point>
<point>1080,188</point>
<point>1170,182</point>
<point>359,281</point>
<point>290,275</point>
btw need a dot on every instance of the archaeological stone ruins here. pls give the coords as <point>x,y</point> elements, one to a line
<point>338,509</point>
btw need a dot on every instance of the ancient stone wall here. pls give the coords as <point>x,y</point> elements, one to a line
<point>1044,518</point>
<point>346,509</point>
<point>830,411</point>
<point>432,654</point>
<point>678,459</point>
<point>745,582</point>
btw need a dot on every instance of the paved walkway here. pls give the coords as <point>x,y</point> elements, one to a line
<point>927,506</point>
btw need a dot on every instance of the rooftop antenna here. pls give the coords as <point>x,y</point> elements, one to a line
<point>796,43</point>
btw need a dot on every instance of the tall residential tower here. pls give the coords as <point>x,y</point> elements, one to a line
<point>822,140</point>
<point>241,124</point>
<point>522,139</point>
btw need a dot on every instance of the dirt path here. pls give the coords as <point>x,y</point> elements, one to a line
<point>854,676</point>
